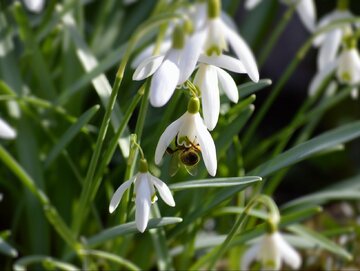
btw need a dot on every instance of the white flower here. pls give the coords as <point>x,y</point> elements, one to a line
<point>209,78</point>
<point>306,10</point>
<point>347,67</point>
<point>34,5</point>
<point>189,127</point>
<point>170,69</point>
<point>145,185</point>
<point>270,251</point>
<point>6,131</point>
<point>329,42</point>
<point>219,34</point>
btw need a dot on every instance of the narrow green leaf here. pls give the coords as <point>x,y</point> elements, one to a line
<point>251,87</point>
<point>70,134</point>
<point>210,203</point>
<point>300,152</point>
<point>128,228</point>
<point>218,182</point>
<point>320,240</point>
<point>324,197</point>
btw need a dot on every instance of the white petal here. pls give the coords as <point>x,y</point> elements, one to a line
<point>250,4</point>
<point>249,256</point>
<point>243,52</point>
<point>288,254</point>
<point>320,77</point>
<point>166,138</point>
<point>190,55</point>
<point>335,15</point>
<point>207,146</point>
<point>147,67</point>
<point>269,254</point>
<point>228,85</point>
<point>329,49</point>
<point>355,93</point>
<point>148,52</point>
<point>163,189</point>
<point>143,202</point>
<point>34,5</point>
<point>6,131</point>
<point>116,198</point>
<point>165,79</point>
<point>307,12</point>
<point>224,61</point>
<point>349,63</point>
<point>206,80</point>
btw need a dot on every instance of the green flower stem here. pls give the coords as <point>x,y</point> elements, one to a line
<point>276,34</point>
<point>113,144</point>
<point>287,74</point>
<point>125,205</point>
<point>88,188</point>
<point>50,211</point>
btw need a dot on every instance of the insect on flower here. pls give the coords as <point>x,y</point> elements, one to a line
<point>186,154</point>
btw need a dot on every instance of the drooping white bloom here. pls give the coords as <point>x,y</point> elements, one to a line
<point>189,127</point>
<point>306,10</point>
<point>210,79</point>
<point>270,251</point>
<point>220,36</point>
<point>329,43</point>
<point>6,131</point>
<point>347,68</point>
<point>35,6</point>
<point>170,69</point>
<point>145,185</point>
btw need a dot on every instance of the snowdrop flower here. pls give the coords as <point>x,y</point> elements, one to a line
<point>189,128</point>
<point>219,35</point>
<point>306,10</point>
<point>329,42</point>
<point>346,66</point>
<point>348,70</point>
<point>209,78</point>
<point>6,131</point>
<point>35,6</point>
<point>172,68</point>
<point>270,251</point>
<point>145,185</point>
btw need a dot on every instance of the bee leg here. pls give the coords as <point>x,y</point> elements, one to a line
<point>170,150</point>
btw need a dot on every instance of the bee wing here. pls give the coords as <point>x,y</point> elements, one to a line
<point>174,164</point>
<point>192,170</point>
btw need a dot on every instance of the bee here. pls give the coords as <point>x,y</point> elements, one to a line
<point>187,155</point>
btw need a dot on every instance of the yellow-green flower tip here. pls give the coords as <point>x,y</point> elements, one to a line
<point>194,105</point>
<point>143,166</point>
<point>178,38</point>
<point>343,4</point>
<point>271,227</point>
<point>214,8</point>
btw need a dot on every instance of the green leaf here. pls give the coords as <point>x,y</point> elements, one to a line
<point>208,204</point>
<point>70,134</point>
<point>320,241</point>
<point>129,228</point>
<point>324,197</point>
<point>218,182</point>
<point>251,87</point>
<point>6,249</point>
<point>300,152</point>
